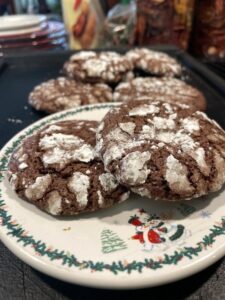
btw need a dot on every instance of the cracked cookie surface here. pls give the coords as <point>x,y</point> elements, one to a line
<point>59,94</point>
<point>102,67</point>
<point>160,89</point>
<point>154,62</point>
<point>163,151</point>
<point>57,170</point>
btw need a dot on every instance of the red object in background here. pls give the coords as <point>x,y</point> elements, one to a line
<point>209,32</point>
<point>76,4</point>
<point>79,26</point>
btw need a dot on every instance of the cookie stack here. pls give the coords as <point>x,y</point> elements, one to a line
<point>156,143</point>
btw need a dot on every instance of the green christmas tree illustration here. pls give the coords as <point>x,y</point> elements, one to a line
<point>111,242</point>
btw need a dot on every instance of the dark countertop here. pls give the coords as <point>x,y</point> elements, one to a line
<point>20,281</point>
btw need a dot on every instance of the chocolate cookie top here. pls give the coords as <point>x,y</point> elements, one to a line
<point>162,151</point>
<point>57,169</point>
<point>62,93</point>
<point>89,66</point>
<point>156,63</point>
<point>161,89</point>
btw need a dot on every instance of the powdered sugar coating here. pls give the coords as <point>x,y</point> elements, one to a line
<point>128,127</point>
<point>23,166</point>
<point>109,67</point>
<point>108,182</point>
<point>160,89</point>
<point>171,154</point>
<point>37,189</point>
<point>100,198</point>
<point>62,149</point>
<point>176,176</point>
<point>79,185</point>
<point>144,110</point>
<point>62,93</point>
<point>54,202</point>
<point>157,63</point>
<point>191,125</point>
<point>134,168</point>
<point>64,170</point>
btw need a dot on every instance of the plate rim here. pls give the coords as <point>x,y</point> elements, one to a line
<point>36,32</point>
<point>82,278</point>
<point>32,21</point>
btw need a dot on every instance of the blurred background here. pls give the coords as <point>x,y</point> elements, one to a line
<point>197,26</point>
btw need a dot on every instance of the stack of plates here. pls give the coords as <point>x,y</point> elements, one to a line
<point>30,32</point>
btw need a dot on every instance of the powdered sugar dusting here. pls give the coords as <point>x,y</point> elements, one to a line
<point>128,127</point>
<point>54,201</point>
<point>144,110</point>
<point>108,182</point>
<point>176,176</point>
<point>100,198</point>
<point>62,149</point>
<point>53,128</point>
<point>95,67</point>
<point>199,156</point>
<point>116,151</point>
<point>220,167</point>
<point>38,188</point>
<point>191,125</point>
<point>79,185</point>
<point>134,168</point>
<point>118,135</point>
<point>147,132</point>
<point>23,166</point>
<point>163,123</point>
<point>154,62</point>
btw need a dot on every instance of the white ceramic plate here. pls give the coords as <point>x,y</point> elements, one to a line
<point>116,247</point>
<point>16,22</point>
<point>21,32</point>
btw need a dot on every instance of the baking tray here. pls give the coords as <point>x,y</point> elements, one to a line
<point>21,72</point>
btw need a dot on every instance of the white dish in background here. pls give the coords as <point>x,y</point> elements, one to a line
<point>20,32</point>
<point>16,22</point>
<point>115,247</point>
<point>46,28</point>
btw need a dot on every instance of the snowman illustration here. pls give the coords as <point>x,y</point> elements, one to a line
<point>155,234</point>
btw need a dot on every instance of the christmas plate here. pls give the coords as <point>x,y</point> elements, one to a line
<point>138,243</point>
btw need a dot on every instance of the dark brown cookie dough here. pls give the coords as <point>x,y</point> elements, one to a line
<point>89,66</point>
<point>153,62</point>
<point>62,93</point>
<point>161,89</point>
<point>57,170</point>
<point>162,151</point>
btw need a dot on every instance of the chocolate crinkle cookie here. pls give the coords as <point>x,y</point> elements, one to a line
<point>161,89</point>
<point>62,93</point>
<point>90,66</point>
<point>161,151</point>
<point>57,170</point>
<point>153,62</point>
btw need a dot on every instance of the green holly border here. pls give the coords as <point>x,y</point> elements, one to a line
<point>40,248</point>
